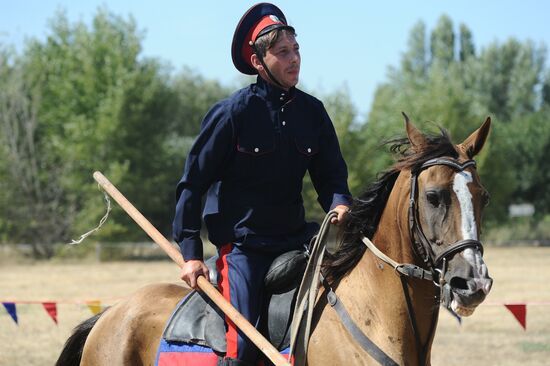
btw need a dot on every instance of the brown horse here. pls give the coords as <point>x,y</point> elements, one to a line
<point>423,214</point>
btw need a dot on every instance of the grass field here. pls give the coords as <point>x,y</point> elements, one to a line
<point>490,337</point>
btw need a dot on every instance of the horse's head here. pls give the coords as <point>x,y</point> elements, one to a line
<point>445,209</point>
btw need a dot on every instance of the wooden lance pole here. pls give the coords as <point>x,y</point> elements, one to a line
<point>252,333</point>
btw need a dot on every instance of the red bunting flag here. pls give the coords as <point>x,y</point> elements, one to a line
<point>51,309</point>
<point>520,313</point>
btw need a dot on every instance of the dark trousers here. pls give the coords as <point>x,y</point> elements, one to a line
<point>241,275</point>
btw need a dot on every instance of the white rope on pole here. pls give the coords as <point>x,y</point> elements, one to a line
<point>101,222</point>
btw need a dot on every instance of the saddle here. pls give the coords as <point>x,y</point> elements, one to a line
<point>197,320</point>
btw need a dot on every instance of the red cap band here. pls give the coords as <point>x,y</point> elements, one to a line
<point>252,35</point>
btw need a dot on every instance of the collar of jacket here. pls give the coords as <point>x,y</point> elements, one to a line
<point>272,92</point>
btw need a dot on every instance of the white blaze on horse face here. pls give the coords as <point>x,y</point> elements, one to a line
<point>468,220</point>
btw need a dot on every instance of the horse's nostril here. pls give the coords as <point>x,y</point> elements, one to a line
<point>459,283</point>
<point>486,286</point>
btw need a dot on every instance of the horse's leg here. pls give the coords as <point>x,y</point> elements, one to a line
<point>129,333</point>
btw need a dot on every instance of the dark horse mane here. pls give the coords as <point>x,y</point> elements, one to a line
<point>366,210</point>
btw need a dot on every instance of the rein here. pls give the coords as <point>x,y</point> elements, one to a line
<point>406,269</point>
<point>307,294</point>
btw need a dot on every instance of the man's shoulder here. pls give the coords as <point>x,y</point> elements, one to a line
<point>229,106</point>
<point>236,102</point>
<point>308,98</point>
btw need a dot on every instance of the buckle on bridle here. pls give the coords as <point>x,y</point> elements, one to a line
<point>437,279</point>
<point>441,274</point>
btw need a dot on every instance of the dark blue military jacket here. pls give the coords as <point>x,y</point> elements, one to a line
<point>251,156</point>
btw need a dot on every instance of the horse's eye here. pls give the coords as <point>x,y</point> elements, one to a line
<point>433,198</point>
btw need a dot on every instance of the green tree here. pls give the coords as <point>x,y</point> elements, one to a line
<point>414,62</point>
<point>29,201</point>
<point>506,81</point>
<point>442,44</point>
<point>546,90</point>
<point>525,79</point>
<point>195,95</point>
<point>86,100</point>
<point>96,105</point>
<point>510,77</point>
<point>467,48</point>
<point>529,146</point>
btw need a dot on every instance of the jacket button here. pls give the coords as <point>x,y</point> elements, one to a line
<point>256,149</point>
<point>282,98</point>
<point>284,123</point>
<point>282,109</point>
<point>309,149</point>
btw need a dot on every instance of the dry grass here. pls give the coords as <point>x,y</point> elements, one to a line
<point>490,337</point>
<point>37,340</point>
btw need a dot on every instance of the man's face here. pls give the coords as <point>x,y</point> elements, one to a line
<point>283,60</point>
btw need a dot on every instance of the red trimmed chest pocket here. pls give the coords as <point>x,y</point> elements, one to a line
<point>255,158</point>
<point>256,146</point>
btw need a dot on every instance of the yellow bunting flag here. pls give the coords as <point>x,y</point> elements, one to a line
<point>94,306</point>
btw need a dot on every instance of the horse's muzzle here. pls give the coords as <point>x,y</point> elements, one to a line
<point>467,294</point>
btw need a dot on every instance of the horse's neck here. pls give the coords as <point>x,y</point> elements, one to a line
<point>375,289</point>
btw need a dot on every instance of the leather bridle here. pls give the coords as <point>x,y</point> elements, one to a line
<point>421,244</point>
<point>436,264</point>
<point>435,268</point>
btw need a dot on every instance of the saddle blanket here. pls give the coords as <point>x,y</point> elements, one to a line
<point>187,354</point>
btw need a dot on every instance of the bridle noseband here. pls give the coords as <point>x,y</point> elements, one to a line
<point>421,244</point>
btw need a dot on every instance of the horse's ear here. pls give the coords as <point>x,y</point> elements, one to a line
<point>474,143</point>
<point>416,137</point>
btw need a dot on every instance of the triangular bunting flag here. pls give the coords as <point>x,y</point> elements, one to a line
<point>51,309</point>
<point>520,313</point>
<point>10,308</point>
<point>94,306</point>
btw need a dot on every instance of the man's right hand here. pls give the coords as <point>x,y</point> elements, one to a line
<point>191,270</point>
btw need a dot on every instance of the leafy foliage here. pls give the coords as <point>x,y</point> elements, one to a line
<point>457,90</point>
<point>86,99</point>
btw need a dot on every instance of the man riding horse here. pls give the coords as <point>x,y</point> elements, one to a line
<point>250,159</point>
